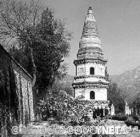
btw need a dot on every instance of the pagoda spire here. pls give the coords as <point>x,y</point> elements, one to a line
<point>90,81</point>
<point>90,15</point>
<point>90,27</point>
<point>90,37</point>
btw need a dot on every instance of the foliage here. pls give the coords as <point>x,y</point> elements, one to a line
<point>59,84</point>
<point>63,107</point>
<point>7,120</point>
<point>136,105</point>
<point>42,40</point>
<point>132,123</point>
<point>57,105</point>
<point>115,97</point>
<point>119,117</point>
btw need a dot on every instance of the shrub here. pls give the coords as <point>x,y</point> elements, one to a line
<point>136,118</point>
<point>119,117</point>
<point>132,123</point>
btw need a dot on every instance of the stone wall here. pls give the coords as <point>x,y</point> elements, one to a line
<point>23,86</point>
<point>24,91</point>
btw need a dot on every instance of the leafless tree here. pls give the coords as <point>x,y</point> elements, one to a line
<point>18,20</point>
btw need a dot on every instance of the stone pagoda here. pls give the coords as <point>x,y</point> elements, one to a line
<point>90,82</point>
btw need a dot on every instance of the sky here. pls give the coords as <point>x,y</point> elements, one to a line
<point>118,23</point>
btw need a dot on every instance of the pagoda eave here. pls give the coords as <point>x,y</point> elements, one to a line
<point>97,49</point>
<point>89,76</point>
<point>90,84</point>
<point>90,60</point>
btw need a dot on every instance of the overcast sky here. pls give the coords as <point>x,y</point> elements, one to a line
<point>118,24</point>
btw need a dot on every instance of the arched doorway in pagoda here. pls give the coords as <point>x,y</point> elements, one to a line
<point>92,95</point>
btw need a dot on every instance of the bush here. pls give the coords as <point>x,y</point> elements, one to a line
<point>119,117</point>
<point>132,123</point>
<point>136,118</point>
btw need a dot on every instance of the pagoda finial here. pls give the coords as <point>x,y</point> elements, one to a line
<point>90,10</point>
<point>90,28</point>
<point>90,16</point>
<point>90,35</point>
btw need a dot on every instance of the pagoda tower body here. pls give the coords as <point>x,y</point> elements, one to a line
<point>90,82</point>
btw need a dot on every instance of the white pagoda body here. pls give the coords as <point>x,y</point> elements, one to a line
<point>90,82</point>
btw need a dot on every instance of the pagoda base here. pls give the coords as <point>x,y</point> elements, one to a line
<point>94,109</point>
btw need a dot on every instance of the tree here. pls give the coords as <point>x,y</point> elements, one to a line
<point>114,95</point>
<point>136,105</point>
<point>42,41</point>
<point>59,84</point>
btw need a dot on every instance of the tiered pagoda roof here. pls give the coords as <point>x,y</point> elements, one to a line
<point>90,44</point>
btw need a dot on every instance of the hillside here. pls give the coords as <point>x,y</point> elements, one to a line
<point>129,81</point>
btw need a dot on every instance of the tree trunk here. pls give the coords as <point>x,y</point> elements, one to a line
<point>34,68</point>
